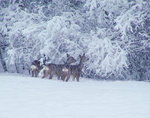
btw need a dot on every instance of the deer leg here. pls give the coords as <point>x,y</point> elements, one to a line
<point>58,76</point>
<point>32,73</point>
<point>66,74</point>
<point>68,77</point>
<point>45,74</point>
<point>73,78</point>
<point>51,76</point>
<point>36,73</point>
<point>62,77</point>
<point>78,78</point>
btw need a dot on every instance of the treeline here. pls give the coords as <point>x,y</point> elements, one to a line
<point>115,35</point>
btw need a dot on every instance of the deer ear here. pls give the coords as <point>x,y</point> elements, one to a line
<point>68,55</point>
<point>64,62</point>
<point>80,56</point>
<point>84,54</point>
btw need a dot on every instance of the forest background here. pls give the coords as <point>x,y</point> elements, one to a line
<point>114,35</point>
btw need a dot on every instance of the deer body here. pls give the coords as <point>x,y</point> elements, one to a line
<point>75,70</point>
<point>57,69</point>
<point>52,69</point>
<point>35,68</point>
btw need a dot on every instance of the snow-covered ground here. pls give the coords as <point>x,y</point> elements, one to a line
<point>27,97</point>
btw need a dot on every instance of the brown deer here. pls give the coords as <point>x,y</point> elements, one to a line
<point>35,68</point>
<point>56,69</point>
<point>74,70</point>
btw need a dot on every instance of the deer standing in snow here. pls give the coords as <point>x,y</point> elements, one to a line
<point>35,68</point>
<point>74,70</point>
<point>57,69</point>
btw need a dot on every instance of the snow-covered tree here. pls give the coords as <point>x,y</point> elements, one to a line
<point>113,34</point>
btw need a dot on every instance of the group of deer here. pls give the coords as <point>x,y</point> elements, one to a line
<point>62,71</point>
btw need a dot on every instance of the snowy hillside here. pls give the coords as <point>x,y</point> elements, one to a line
<point>27,97</point>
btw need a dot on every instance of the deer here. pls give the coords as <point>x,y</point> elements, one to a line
<point>56,69</point>
<point>35,68</point>
<point>74,70</point>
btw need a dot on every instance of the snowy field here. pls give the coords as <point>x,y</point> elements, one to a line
<point>26,97</point>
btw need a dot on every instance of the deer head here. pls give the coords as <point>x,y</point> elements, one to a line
<point>70,59</point>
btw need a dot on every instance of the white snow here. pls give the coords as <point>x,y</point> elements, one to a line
<point>27,97</point>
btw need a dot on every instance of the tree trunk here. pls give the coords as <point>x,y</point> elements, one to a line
<point>17,68</point>
<point>2,61</point>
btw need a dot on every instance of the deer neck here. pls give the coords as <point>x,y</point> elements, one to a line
<point>81,64</point>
